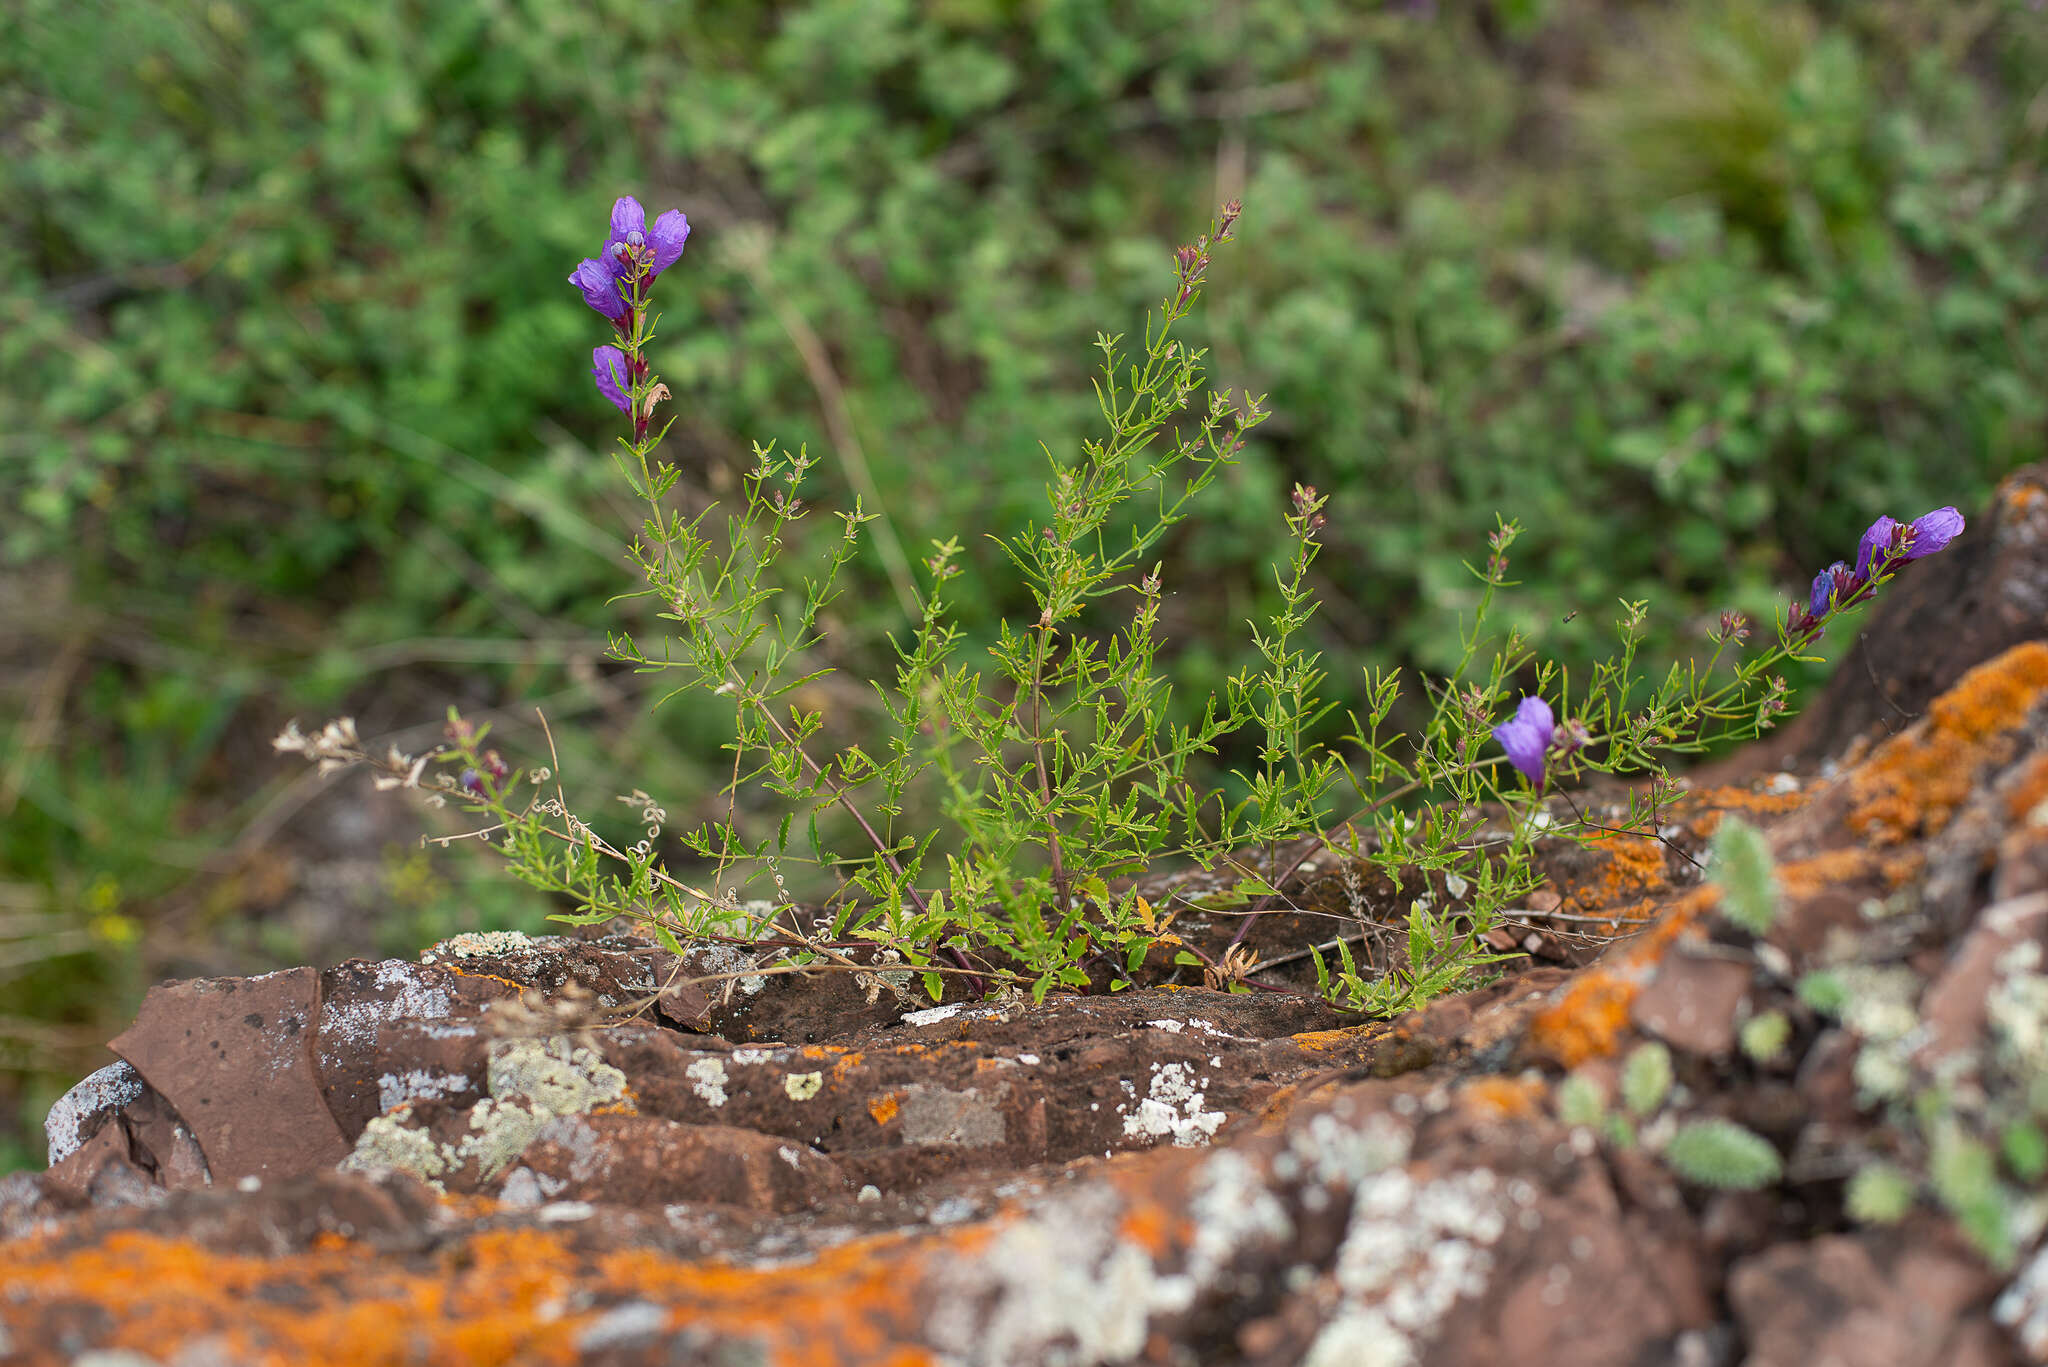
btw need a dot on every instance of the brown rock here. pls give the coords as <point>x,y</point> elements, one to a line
<point>638,1160</point>
<point>1692,1002</point>
<point>233,1057</point>
<point>1831,1300</point>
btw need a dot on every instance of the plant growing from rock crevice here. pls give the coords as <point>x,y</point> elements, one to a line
<point>1054,753</point>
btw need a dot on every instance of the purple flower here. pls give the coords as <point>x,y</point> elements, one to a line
<point>1889,540</point>
<point>634,248</point>
<point>1876,545</point>
<point>1527,737</point>
<point>608,368</point>
<point>600,286</point>
<point>1931,532</point>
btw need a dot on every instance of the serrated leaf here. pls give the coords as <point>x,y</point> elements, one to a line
<point>1721,1153</point>
<point>667,938</point>
<point>934,985</point>
<point>1646,1078</point>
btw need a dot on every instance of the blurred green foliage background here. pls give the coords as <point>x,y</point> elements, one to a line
<point>295,414</point>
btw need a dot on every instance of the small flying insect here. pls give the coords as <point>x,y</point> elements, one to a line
<point>1568,616</point>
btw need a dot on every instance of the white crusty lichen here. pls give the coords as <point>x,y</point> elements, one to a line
<point>531,1081</point>
<point>1063,1282</point>
<point>1413,1250</point>
<point>1173,1108</point>
<point>707,1080</point>
<point>802,1086</point>
<point>107,1089</point>
<point>417,1084</point>
<point>2017,1007</point>
<point>2022,1307</point>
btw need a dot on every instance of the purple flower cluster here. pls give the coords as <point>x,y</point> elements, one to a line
<point>615,283</point>
<point>1886,544</point>
<point>633,254</point>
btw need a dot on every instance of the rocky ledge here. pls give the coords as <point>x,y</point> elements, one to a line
<point>1657,1138</point>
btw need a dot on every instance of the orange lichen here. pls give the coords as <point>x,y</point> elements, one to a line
<point>1806,877</point>
<point>497,1296</point>
<point>884,1107</point>
<point>1631,867</point>
<point>461,972</point>
<point>2026,790</point>
<point>1323,1041</point>
<point>1153,1227</point>
<point>1914,782</point>
<point>2018,496</point>
<point>1510,1098</point>
<point>1588,1019</point>
<point>1712,804</point>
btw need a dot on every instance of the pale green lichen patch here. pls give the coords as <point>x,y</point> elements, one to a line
<point>388,1142</point>
<point>477,944</point>
<point>803,1086</point>
<point>557,1079</point>
<point>532,1082</point>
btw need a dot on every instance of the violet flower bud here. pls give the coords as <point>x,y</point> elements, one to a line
<point>1528,736</point>
<point>1824,586</point>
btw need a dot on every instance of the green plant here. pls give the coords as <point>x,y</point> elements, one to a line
<point>1880,1194</point>
<point>1721,1153</point>
<point>1646,1079</point>
<point>1764,1037</point>
<point>1061,766</point>
<point>1741,863</point>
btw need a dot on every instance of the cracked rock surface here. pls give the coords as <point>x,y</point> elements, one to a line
<point>440,1161</point>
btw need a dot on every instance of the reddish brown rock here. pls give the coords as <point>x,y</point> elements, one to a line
<point>233,1058</point>
<point>1692,1001</point>
<point>1874,1301</point>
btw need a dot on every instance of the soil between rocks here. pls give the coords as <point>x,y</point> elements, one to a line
<point>471,1157</point>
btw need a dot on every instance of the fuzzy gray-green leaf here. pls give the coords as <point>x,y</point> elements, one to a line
<point>1721,1153</point>
<point>1741,863</point>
